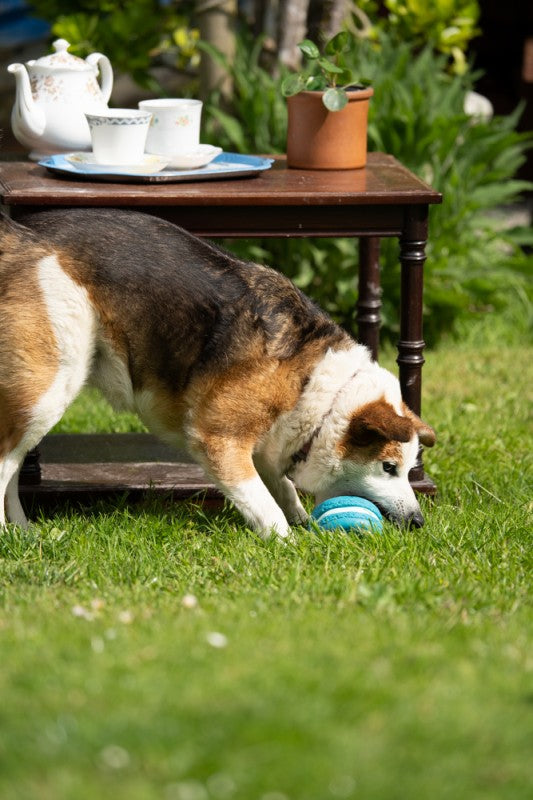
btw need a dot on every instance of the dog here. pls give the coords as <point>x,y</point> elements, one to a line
<point>223,357</point>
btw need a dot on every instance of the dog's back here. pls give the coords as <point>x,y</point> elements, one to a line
<point>174,304</point>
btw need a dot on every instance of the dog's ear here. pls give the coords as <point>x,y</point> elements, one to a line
<point>378,422</point>
<point>426,434</point>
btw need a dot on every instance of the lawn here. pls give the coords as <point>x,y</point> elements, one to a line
<point>159,651</point>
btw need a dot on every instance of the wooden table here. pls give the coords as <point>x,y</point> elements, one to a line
<point>384,199</point>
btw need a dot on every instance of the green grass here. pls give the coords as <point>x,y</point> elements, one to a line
<point>382,667</point>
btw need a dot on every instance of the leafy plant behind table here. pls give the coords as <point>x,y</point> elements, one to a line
<point>447,25</point>
<point>416,115</point>
<point>135,35</point>
<point>256,121</point>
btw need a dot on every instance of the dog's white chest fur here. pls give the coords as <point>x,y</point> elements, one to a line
<point>73,322</point>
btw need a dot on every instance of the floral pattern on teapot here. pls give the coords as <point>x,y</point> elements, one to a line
<point>54,88</point>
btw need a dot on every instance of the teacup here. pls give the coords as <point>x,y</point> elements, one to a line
<point>118,135</point>
<point>175,125</point>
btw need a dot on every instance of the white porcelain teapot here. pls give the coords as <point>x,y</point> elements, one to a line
<point>53,94</point>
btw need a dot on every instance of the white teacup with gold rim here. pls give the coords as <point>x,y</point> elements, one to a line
<point>118,135</point>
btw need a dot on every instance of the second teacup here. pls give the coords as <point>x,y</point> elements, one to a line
<point>175,125</point>
<point>118,135</point>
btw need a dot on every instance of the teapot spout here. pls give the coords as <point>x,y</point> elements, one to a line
<point>27,119</point>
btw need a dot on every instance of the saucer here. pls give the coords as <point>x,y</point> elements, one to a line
<point>199,156</point>
<point>85,162</point>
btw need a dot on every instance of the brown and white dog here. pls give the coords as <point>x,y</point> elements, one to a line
<point>224,357</point>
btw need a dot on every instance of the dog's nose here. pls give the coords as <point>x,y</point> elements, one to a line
<point>416,520</point>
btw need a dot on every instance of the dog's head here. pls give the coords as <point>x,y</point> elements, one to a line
<point>377,452</point>
<point>367,450</point>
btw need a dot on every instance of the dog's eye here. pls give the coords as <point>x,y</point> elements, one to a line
<point>390,467</point>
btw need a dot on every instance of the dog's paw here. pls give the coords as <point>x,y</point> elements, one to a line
<point>298,516</point>
<point>280,530</point>
<point>294,510</point>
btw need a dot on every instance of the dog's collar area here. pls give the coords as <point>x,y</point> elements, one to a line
<point>301,454</point>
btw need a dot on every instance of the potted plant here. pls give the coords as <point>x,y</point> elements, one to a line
<point>328,109</point>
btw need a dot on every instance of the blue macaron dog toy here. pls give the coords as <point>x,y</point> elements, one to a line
<point>348,513</point>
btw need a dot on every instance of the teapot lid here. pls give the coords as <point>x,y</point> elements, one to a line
<point>61,58</point>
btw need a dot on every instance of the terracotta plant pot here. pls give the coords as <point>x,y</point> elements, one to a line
<point>322,139</point>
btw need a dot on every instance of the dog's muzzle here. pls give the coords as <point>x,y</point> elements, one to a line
<point>416,520</point>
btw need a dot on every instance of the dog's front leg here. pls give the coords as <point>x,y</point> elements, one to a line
<point>284,491</point>
<point>231,466</point>
<point>258,507</point>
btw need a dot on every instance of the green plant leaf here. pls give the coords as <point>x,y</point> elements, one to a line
<point>335,99</point>
<point>214,52</point>
<point>292,84</point>
<point>316,83</point>
<point>231,127</point>
<point>329,67</point>
<point>347,78</point>
<point>340,43</point>
<point>309,48</point>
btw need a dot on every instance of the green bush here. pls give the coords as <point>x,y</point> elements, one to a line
<point>256,120</point>
<point>474,265</point>
<point>134,34</point>
<point>416,115</point>
<point>447,25</point>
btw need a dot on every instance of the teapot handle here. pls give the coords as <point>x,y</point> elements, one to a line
<point>106,72</point>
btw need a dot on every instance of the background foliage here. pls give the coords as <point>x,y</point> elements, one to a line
<point>475,264</point>
<point>136,35</point>
<point>416,57</point>
<point>447,25</point>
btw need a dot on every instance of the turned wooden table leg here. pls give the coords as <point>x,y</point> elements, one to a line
<point>411,344</point>
<point>369,299</point>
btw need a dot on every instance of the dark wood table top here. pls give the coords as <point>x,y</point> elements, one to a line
<point>384,181</point>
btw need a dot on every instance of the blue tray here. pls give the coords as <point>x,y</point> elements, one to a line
<point>225,165</point>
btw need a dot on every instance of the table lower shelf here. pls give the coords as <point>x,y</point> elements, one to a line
<point>82,468</point>
<point>79,469</point>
